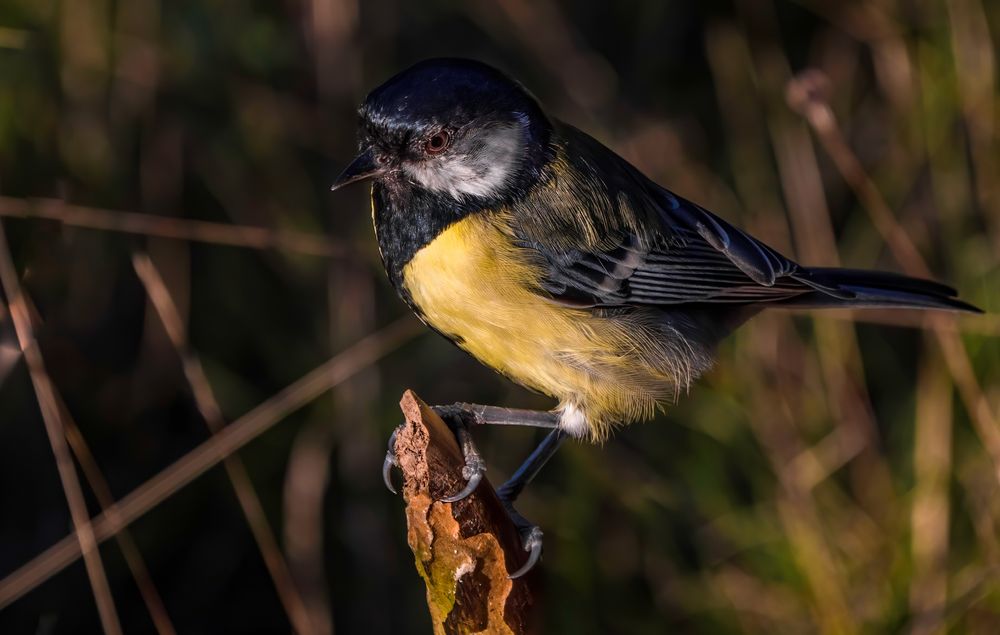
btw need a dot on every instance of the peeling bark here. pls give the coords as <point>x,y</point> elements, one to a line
<point>463,550</point>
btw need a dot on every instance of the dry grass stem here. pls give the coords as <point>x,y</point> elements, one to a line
<point>170,227</point>
<point>130,550</point>
<point>209,454</point>
<point>211,413</point>
<point>83,540</point>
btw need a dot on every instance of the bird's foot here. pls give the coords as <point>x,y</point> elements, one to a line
<point>531,539</point>
<point>459,419</point>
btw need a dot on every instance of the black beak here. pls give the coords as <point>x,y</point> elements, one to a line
<point>362,167</point>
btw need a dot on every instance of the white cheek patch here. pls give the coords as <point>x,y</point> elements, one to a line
<point>476,166</point>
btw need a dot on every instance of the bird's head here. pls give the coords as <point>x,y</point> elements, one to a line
<point>451,127</point>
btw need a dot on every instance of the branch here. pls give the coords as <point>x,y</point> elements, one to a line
<point>462,549</point>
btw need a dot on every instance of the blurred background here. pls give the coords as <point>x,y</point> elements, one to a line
<point>164,177</point>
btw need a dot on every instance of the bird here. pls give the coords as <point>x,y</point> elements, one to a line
<point>554,261</point>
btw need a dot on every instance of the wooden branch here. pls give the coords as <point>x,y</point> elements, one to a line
<point>463,550</point>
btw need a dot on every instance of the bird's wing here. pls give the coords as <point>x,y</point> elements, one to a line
<point>608,236</point>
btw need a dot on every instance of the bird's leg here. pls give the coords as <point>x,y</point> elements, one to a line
<point>476,414</point>
<point>460,417</point>
<point>531,534</point>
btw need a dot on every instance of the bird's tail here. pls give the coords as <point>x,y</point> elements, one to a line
<point>846,288</point>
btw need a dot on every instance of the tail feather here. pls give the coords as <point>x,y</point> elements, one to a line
<point>873,289</point>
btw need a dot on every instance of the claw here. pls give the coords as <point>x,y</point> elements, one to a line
<point>387,466</point>
<point>532,544</point>
<point>473,472</point>
<point>390,462</point>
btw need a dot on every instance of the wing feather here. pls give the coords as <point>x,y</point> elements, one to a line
<point>608,236</point>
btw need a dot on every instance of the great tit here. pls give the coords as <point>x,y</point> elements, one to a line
<point>554,261</point>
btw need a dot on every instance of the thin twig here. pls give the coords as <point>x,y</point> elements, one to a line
<point>84,540</point>
<point>208,454</point>
<point>211,412</point>
<point>170,227</point>
<point>10,352</point>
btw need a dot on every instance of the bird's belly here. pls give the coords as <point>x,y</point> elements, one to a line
<point>471,284</point>
<point>468,284</point>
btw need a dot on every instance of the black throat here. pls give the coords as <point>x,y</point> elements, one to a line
<point>407,218</point>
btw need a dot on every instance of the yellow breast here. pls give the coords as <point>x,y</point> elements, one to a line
<point>473,284</point>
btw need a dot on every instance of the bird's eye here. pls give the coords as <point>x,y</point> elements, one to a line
<point>438,142</point>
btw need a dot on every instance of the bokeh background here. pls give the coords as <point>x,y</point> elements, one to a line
<point>829,476</point>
